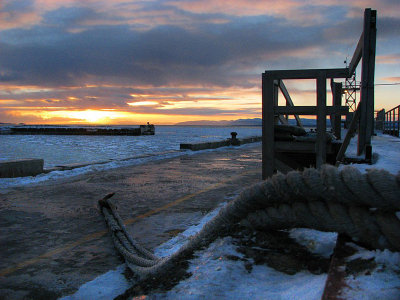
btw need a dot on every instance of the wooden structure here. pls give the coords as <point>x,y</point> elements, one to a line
<point>389,121</point>
<point>272,82</point>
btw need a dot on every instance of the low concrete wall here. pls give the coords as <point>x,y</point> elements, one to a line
<point>203,146</point>
<point>21,167</point>
<point>213,145</point>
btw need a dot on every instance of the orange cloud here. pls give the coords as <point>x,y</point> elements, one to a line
<point>388,59</point>
<point>239,7</point>
<point>9,20</point>
<point>393,79</point>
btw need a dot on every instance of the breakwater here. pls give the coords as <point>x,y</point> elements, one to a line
<point>218,144</point>
<point>67,130</point>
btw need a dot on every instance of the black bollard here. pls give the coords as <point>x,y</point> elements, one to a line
<point>234,141</point>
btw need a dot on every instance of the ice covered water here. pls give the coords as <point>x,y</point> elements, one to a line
<point>69,149</point>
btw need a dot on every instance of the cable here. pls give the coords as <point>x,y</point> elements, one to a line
<point>396,83</point>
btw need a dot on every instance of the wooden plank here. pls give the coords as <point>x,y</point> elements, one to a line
<point>309,110</point>
<point>289,101</point>
<point>371,82</point>
<point>349,135</point>
<point>287,160</point>
<point>267,126</point>
<point>337,270</point>
<point>282,166</point>
<point>367,81</point>
<point>320,145</point>
<point>299,147</point>
<point>308,73</point>
<point>356,56</point>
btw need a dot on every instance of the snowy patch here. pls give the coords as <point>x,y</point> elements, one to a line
<point>106,286</point>
<point>383,282</point>
<point>215,276</point>
<point>377,285</point>
<point>384,257</point>
<point>315,241</point>
<point>176,242</point>
<point>387,149</point>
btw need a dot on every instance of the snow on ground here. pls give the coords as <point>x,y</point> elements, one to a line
<point>382,283</point>
<point>387,149</point>
<point>214,276</point>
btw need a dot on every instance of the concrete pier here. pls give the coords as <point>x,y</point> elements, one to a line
<point>21,167</point>
<point>53,238</point>
<point>218,144</point>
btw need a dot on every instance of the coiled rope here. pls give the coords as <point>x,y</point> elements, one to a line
<point>362,206</point>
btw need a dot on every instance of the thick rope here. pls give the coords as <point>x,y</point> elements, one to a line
<point>362,206</point>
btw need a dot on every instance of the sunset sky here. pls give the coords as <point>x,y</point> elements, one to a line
<point>129,62</point>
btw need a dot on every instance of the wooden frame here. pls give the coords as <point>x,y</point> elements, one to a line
<point>271,112</point>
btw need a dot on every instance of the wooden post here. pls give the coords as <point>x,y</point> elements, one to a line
<point>321,121</point>
<point>380,120</point>
<point>276,99</point>
<point>336,119</point>
<point>366,125</point>
<point>349,135</point>
<point>268,144</point>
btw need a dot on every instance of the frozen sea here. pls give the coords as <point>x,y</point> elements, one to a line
<point>97,153</point>
<point>75,149</point>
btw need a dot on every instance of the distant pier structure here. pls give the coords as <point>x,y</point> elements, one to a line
<point>147,129</point>
<point>316,150</point>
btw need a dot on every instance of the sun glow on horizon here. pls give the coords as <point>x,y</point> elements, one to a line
<point>142,103</point>
<point>110,117</point>
<point>92,116</point>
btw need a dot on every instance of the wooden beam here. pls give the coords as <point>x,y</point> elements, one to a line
<point>289,101</point>
<point>308,73</point>
<point>299,147</point>
<point>276,99</point>
<point>283,120</point>
<point>282,166</point>
<point>320,145</point>
<point>336,119</point>
<point>309,110</point>
<point>366,124</point>
<point>349,135</point>
<point>331,116</point>
<point>357,55</point>
<point>267,126</point>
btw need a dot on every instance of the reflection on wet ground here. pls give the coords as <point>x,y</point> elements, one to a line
<point>53,239</point>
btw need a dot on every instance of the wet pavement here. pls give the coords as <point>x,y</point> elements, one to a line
<point>53,238</point>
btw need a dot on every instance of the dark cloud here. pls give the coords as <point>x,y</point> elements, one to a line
<point>17,6</point>
<point>204,111</point>
<point>209,54</point>
<point>168,50</point>
<point>388,27</point>
<point>69,16</point>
